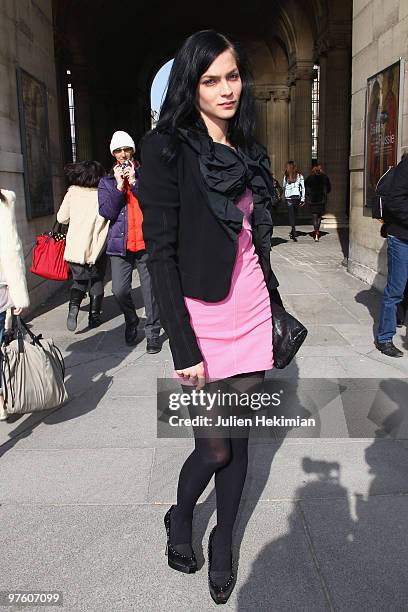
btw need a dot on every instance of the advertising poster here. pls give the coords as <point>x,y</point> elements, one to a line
<point>32,102</point>
<point>382,113</point>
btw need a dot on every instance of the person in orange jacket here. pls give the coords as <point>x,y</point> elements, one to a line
<point>118,202</point>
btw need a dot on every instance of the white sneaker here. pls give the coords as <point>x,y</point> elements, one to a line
<point>3,411</point>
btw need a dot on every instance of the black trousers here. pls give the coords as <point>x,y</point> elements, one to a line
<point>293,207</point>
<point>89,277</point>
<point>122,269</point>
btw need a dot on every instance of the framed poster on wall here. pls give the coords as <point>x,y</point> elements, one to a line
<point>33,113</point>
<point>382,126</point>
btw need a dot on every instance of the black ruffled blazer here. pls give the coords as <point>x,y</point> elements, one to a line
<point>191,226</point>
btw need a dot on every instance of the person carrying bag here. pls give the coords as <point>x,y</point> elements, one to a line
<point>85,241</point>
<point>13,285</point>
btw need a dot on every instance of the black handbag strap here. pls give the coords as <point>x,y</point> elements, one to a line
<point>22,325</point>
<point>36,339</point>
<point>58,226</point>
<point>6,364</point>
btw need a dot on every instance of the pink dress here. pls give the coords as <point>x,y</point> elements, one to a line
<point>235,334</point>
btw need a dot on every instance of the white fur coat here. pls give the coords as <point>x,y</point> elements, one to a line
<point>12,266</point>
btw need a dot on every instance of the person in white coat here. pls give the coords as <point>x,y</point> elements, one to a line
<point>86,239</point>
<point>13,285</point>
<point>294,188</point>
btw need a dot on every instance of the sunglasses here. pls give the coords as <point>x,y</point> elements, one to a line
<point>124,149</point>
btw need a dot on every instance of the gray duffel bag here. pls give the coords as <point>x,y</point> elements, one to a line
<point>33,373</point>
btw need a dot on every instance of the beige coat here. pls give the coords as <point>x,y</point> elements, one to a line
<point>12,266</point>
<point>88,231</point>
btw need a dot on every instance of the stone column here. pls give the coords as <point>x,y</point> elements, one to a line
<point>333,52</point>
<point>301,80</point>
<point>262,96</point>
<point>278,129</point>
<point>336,132</point>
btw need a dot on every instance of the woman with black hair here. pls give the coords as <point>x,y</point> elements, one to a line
<point>86,239</point>
<point>205,191</point>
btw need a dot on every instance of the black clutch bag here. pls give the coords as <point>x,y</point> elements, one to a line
<point>288,335</point>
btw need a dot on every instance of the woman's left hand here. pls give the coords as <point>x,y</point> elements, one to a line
<point>17,311</point>
<point>302,203</point>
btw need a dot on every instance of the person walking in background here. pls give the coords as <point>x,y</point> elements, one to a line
<point>86,239</point>
<point>294,189</point>
<point>205,191</point>
<point>317,186</point>
<point>13,285</point>
<point>118,202</point>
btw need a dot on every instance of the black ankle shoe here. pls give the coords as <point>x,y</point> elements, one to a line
<point>220,594</point>
<point>153,346</point>
<point>293,236</point>
<point>75,299</point>
<point>72,317</point>
<point>176,560</point>
<point>95,303</point>
<point>131,332</point>
<point>389,349</point>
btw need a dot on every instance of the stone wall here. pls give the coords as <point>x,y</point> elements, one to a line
<point>27,41</point>
<point>380,34</point>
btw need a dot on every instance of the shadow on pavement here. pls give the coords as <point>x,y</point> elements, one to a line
<point>95,379</point>
<point>342,550</point>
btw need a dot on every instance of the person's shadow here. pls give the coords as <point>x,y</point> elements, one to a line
<point>371,298</point>
<point>332,557</point>
<point>280,579</point>
<point>344,239</point>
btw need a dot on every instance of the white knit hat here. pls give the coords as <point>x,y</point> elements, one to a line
<point>121,139</point>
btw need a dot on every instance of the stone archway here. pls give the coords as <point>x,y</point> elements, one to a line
<point>115,59</point>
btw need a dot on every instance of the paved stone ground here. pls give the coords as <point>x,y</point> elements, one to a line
<point>323,522</point>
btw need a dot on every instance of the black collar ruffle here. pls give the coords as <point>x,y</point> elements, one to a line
<point>227,173</point>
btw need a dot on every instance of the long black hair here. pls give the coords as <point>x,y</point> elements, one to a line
<point>84,174</point>
<point>179,108</point>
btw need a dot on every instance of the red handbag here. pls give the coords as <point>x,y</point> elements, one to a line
<point>48,257</point>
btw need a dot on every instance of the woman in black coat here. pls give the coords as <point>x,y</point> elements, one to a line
<point>317,186</point>
<point>205,190</point>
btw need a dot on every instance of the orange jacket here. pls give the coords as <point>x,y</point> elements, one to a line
<point>135,240</point>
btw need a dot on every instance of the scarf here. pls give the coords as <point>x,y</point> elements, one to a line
<point>134,240</point>
<point>227,173</point>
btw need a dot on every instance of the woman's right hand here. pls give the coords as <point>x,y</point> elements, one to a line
<point>118,173</point>
<point>194,373</point>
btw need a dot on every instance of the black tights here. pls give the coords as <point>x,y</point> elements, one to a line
<point>226,457</point>
<point>293,207</point>
<point>316,221</point>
